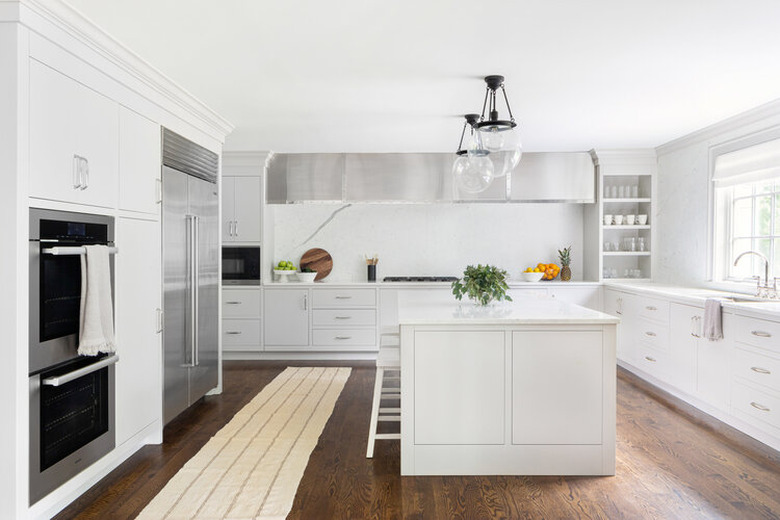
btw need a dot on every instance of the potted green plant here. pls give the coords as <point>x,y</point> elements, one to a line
<point>483,284</point>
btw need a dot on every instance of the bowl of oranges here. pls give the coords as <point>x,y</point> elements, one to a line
<point>540,272</point>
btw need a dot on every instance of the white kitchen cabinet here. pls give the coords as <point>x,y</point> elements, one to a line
<point>139,163</point>
<point>138,327</point>
<point>285,318</point>
<point>587,296</point>
<point>241,319</point>
<point>685,331</point>
<point>241,209</point>
<point>713,367</point>
<point>74,140</point>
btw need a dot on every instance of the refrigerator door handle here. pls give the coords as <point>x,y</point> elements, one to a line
<point>189,344</point>
<point>196,288</point>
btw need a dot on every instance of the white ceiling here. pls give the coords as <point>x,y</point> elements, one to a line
<point>397,75</point>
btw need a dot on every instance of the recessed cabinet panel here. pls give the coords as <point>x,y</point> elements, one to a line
<point>464,401</point>
<point>566,177</point>
<point>241,209</point>
<point>241,303</point>
<point>286,317</point>
<point>557,387</point>
<point>139,163</point>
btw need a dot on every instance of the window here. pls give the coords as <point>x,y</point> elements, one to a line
<point>747,211</point>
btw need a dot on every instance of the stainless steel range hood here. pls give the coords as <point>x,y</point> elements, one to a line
<point>423,178</point>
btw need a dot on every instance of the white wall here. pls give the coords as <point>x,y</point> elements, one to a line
<point>683,215</point>
<point>433,239</point>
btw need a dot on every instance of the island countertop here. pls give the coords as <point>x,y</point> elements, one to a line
<point>521,311</point>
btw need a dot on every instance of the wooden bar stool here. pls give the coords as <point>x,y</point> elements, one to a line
<point>387,387</point>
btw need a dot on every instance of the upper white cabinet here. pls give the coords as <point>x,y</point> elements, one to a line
<point>74,140</point>
<point>139,163</point>
<point>241,209</point>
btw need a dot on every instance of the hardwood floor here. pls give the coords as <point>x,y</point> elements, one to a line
<point>673,462</point>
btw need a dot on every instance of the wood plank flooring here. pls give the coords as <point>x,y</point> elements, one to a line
<point>673,462</point>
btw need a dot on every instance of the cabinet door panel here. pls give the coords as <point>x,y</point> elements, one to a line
<point>139,163</point>
<point>52,136</point>
<point>247,209</point>
<point>557,387</point>
<point>684,332</point>
<point>138,293</point>
<point>228,208</point>
<point>286,317</point>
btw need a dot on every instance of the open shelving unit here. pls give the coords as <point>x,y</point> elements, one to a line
<point>634,170</point>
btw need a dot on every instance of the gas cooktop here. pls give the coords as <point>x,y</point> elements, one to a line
<point>419,279</point>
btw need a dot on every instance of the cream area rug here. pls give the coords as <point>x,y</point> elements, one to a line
<point>251,468</point>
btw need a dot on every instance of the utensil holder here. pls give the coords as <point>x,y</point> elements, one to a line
<point>371,274</point>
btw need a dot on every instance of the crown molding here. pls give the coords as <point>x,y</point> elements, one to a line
<point>32,12</point>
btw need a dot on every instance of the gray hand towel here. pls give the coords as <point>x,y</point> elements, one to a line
<point>96,333</point>
<point>713,324</point>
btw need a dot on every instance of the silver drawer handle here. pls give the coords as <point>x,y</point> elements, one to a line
<point>760,370</point>
<point>760,333</point>
<point>650,359</point>
<point>651,308</point>
<point>233,332</point>
<point>618,312</point>
<point>233,303</point>
<point>343,297</point>
<point>759,407</point>
<point>651,334</point>
<point>81,372</point>
<point>343,317</point>
<point>343,337</point>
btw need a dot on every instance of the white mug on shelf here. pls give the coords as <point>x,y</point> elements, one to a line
<point>641,220</point>
<point>607,220</point>
<point>618,219</point>
<point>630,219</point>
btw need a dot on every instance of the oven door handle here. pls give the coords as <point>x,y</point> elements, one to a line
<point>81,372</point>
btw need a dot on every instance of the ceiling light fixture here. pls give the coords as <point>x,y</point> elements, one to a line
<point>499,137</point>
<point>473,169</point>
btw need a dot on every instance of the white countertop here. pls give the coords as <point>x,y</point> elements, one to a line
<point>513,284</point>
<point>521,311</point>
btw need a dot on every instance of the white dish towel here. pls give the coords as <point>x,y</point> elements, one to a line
<point>713,324</point>
<point>96,333</point>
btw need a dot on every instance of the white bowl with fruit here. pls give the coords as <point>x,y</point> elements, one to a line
<point>532,275</point>
<point>283,270</point>
<point>307,276</point>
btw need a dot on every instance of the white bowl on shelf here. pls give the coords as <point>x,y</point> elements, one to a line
<point>531,277</point>
<point>307,277</point>
<point>282,275</point>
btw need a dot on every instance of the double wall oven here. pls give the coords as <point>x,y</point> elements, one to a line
<point>71,396</point>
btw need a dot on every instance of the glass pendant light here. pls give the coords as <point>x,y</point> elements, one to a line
<point>500,138</point>
<point>473,168</point>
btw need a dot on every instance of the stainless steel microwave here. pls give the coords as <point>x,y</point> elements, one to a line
<point>241,265</point>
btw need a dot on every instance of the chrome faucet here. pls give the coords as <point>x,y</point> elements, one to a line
<point>766,268</point>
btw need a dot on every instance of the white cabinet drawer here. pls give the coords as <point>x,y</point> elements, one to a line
<point>653,334</point>
<point>756,404</point>
<point>344,317</point>
<point>757,368</point>
<point>652,361</point>
<point>343,298</point>
<point>343,337</point>
<point>240,303</point>
<point>240,333</point>
<point>653,309</point>
<point>761,333</point>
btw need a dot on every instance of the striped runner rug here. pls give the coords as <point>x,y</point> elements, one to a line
<point>252,467</point>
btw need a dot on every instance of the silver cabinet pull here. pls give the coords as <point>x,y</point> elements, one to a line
<point>651,308</point>
<point>339,297</point>
<point>343,337</point>
<point>759,406</point>
<point>651,334</point>
<point>760,333</point>
<point>760,370</point>
<point>233,303</point>
<point>76,172</point>
<point>619,306</point>
<point>650,359</point>
<point>343,317</point>
<point>233,332</point>
<point>305,301</point>
<point>159,320</point>
<point>81,372</point>
<point>158,191</point>
<point>235,227</point>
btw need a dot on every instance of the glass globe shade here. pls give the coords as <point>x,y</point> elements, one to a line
<point>473,174</point>
<point>505,149</point>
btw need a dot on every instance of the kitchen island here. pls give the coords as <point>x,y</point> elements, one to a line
<point>518,388</point>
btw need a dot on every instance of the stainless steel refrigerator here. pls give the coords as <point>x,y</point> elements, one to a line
<point>190,216</point>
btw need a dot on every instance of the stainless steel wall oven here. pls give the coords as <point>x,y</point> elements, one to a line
<point>71,396</point>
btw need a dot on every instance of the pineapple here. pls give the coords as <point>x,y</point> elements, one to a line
<point>565,256</point>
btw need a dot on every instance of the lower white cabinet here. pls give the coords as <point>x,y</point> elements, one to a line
<point>241,319</point>
<point>713,366</point>
<point>138,326</point>
<point>685,331</point>
<point>285,318</point>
